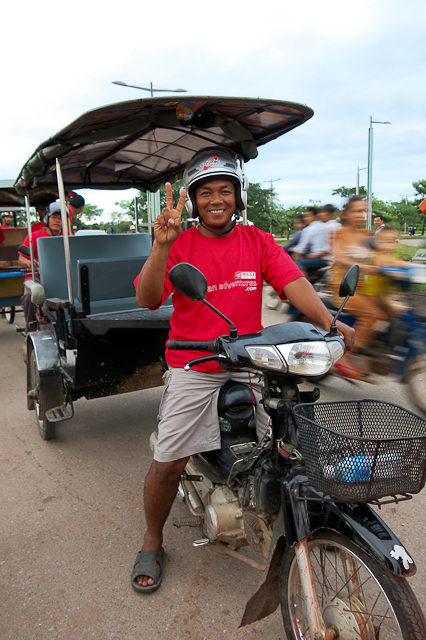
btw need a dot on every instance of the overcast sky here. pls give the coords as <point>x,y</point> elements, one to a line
<point>348,60</point>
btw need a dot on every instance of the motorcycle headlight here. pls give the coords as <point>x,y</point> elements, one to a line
<point>266,357</point>
<point>307,358</point>
<point>336,350</point>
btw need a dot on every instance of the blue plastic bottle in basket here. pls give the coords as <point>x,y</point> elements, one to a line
<point>358,468</point>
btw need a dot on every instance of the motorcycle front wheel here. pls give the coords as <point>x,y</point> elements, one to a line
<point>359,597</point>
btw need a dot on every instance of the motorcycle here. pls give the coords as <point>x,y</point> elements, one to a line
<point>399,346</point>
<point>301,496</point>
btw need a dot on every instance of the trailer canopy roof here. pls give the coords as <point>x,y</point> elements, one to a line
<point>143,143</point>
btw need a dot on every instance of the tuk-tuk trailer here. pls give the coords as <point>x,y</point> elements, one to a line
<point>94,340</point>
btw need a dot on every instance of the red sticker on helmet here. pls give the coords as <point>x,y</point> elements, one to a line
<point>210,162</point>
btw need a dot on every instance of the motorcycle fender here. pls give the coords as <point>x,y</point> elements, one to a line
<point>357,522</point>
<point>304,509</point>
<point>360,524</point>
<point>46,352</point>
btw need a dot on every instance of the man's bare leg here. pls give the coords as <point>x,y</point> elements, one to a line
<point>160,491</point>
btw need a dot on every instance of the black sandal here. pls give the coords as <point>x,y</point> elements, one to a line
<point>149,563</point>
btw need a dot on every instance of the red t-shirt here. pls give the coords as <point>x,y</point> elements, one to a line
<point>36,234</point>
<point>235,267</point>
<point>1,236</point>
<point>37,226</point>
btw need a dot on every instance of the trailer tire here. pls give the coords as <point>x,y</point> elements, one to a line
<point>46,429</point>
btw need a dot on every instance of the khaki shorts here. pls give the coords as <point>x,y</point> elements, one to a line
<point>188,421</point>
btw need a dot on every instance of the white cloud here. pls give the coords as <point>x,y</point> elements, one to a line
<point>347,60</point>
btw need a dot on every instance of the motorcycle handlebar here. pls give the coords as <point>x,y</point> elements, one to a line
<point>190,345</point>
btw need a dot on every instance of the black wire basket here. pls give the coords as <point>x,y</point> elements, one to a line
<point>363,450</point>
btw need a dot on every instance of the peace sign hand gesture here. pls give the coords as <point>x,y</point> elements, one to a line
<point>167,226</point>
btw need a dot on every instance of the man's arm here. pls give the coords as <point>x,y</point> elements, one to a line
<point>149,288</point>
<point>167,228</point>
<point>24,261</point>
<point>293,241</point>
<point>303,296</point>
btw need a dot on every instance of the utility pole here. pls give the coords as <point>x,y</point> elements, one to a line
<point>357,179</point>
<point>271,181</point>
<point>370,170</point>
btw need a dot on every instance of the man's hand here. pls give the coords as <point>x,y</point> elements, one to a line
<point>347,333</point>
<point>303,296</point>
<point>167,226</point>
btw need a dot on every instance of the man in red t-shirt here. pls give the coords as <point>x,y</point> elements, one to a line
<point>7,220</point>
<point>52,227</point>
<point>235,261</point>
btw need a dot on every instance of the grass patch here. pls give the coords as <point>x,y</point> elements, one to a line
<point>406,252</point>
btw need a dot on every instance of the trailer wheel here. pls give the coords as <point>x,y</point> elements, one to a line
<point>46,429</point>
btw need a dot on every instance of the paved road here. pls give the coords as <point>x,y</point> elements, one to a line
<point>71,523</point>
<point>414,241</point>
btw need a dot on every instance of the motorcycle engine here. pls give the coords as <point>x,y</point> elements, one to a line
<point>222,518</point>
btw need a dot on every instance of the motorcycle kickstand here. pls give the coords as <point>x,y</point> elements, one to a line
<point>306,573</point>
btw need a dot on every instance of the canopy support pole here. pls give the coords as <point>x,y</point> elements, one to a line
<point>65,230</point>
<point>244,185</point>
<point>30,234</point>
<point>136,214</point>
<point>148,202</point>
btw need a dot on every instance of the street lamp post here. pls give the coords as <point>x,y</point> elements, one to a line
<point>370,170</point>
<point>357,179</point>
<point>271,181</point>
<point>151,88</point>
<point>152,198</point>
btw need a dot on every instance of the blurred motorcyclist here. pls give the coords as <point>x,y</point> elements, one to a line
<point>311,249</point>
<point>299,224</point>
<point>326,215</point>
<point>351,245</point>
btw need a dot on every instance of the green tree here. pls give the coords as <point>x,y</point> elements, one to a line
<point>262,207</point>
<point>21,217</point>
<point>122,218</point>
<point>89,218</point>
<point>287,219</point>
<point>347,192</point>
<point>401,213</point>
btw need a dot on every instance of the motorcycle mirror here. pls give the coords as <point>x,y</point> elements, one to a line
<point>347,289</point>
<point>349,282</point>
<point>188,280</point>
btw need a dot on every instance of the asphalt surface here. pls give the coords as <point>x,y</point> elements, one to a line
<point>71,523</point>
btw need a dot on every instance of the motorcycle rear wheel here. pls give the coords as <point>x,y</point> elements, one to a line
<point>356,594</point>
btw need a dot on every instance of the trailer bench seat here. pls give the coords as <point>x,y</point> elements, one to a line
<point>109,264</point>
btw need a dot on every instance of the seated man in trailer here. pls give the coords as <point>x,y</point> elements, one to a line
<point>52,227</point>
